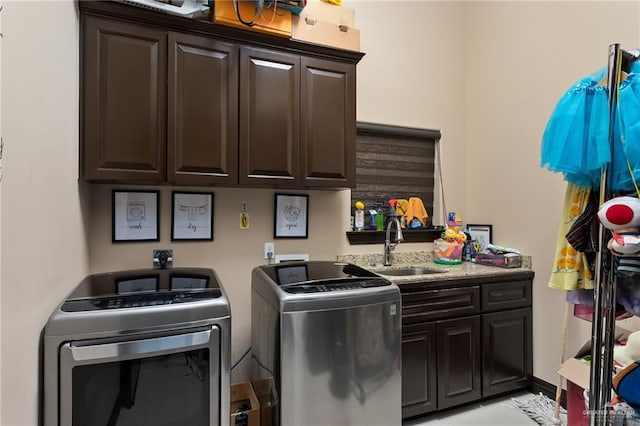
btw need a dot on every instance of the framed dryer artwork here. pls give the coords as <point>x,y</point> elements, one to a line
<point>291,216</point>
<point>192,216</point>
<point>134,216</point>
<point>481,233</point>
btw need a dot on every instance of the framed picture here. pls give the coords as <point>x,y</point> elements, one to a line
<point>480,233</point>
<point>135,216</point>
<point>192,216</point>
<point>291,218</point>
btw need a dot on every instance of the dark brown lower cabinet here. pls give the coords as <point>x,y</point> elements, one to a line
<point>507,361</point>
<point>419,389</point>
<point>459,360</point>
<point>478,347</point>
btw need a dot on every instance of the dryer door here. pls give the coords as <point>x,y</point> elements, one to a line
<point>152,381</point>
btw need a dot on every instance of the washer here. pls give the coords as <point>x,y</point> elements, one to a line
<point>142,347</point>
<point>328,335</point>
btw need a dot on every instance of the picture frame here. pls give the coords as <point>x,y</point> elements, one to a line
<point>482,233</point>
<point>192,216</point>
<point>134,216</point>
<point>291,216</point>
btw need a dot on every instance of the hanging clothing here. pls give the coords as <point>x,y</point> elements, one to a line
<point>576,139</point>
<point>571,268</point>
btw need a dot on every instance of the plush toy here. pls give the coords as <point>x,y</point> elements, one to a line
<point>622,216</point>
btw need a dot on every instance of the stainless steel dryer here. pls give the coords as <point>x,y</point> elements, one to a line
<point>329,335</point>
<point>147,347</point>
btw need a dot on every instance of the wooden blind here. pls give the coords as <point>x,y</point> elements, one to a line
<point>394,162</point>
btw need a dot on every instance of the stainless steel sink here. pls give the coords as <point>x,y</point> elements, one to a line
<point>410,271</point>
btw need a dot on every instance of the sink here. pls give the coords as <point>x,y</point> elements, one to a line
<point>410,271</point>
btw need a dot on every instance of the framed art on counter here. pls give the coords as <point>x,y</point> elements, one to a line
<point>481,233</point>
<point>192,216</point>
<point>291,216</point>
<point>134,216</point>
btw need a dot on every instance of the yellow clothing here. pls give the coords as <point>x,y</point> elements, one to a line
<point>570,269</point>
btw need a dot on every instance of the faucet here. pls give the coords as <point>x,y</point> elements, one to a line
<point>388,245</point>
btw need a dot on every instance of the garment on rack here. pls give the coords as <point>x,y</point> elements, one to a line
<point>628,289</point>
<point>571,267</point>
<point>576,139</point>
<point>582,300</point>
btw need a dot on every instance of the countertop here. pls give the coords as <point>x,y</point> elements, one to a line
<point>424,260</point>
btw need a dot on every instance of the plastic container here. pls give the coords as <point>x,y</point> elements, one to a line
<point>373,216</point>
<point>359,220</point>
<point>380,219</point>
<point>447,253</point>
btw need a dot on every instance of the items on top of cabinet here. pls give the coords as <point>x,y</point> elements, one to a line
<point>249,16</point>
<point>184,8</point>
<point>210,130</point>
<point>328,24</point>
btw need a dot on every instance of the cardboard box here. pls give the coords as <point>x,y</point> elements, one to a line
<point>326,24</point>
<point>268,398</point>
<point>578,375</point>
<point>318,10</point>
<point>244,402</point>
<point>272,21</point>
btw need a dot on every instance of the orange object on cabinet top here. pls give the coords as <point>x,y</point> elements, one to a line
<point>274,21</point>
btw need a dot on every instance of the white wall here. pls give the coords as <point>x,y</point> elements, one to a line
<point>44,232</point>
<point>413,75</point>
<point>521,57</point>
<point>428,64</point>
<point>0,207</point>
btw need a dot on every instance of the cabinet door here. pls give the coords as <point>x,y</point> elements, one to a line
<point>459,357</point>
<point>419,384</point>
<point>202,123</point>
<point>269,118</point>
<point>123,101</point>
<point>328,120</point>
<point>507,348</point>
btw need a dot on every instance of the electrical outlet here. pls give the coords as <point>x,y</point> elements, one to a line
<point>269,250</point>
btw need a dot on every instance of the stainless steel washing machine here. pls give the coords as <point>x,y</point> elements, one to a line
<point>329,336</point>
<point>147,347</point>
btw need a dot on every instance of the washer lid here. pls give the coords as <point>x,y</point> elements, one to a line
<point>142,287</point>
<point>322,276</point>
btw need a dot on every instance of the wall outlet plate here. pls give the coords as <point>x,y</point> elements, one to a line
<point>269,250</point>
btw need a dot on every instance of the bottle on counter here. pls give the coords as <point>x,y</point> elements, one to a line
<point>467,251</point>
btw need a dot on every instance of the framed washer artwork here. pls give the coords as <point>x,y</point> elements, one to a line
<point>134,216</point>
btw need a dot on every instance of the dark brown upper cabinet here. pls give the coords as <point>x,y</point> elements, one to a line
<point>328,136</point>
<point>124,101</point>
<point>202,131</point>
<point>269,118</point>
<point>173,100</point>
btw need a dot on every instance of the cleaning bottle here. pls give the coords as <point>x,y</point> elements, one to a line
<point>373,224</point>
<point>359,216</point>
<point>379,218</point>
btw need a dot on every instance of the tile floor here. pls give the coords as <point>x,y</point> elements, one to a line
<point>495,412</point>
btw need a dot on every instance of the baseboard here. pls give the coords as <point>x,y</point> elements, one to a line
<point>547,389</point>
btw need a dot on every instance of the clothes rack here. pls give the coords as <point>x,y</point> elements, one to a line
<point>603,320</point>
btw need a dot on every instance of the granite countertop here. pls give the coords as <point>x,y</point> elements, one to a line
<point>424,259</point>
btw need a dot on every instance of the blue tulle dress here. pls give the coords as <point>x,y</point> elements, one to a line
<point>576,139</point>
